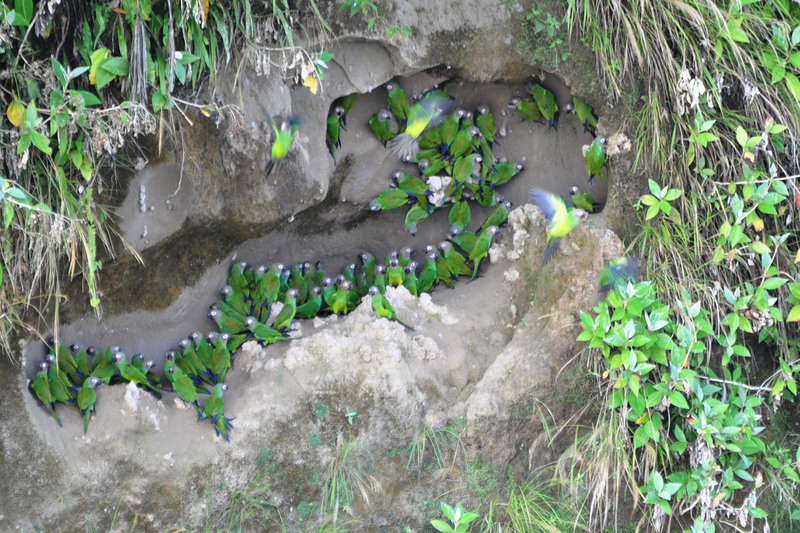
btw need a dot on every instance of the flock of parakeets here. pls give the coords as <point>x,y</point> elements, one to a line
<point>261,303</point>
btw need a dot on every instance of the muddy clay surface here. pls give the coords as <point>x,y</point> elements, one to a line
<point>475,351</point>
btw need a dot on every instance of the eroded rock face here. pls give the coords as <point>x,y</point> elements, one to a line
<point>476,352</point>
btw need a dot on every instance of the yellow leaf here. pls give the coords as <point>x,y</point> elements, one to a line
<point>312,84</point>
<point>644,418</point>
<point>758,224</point>
<point>97,59</point>
<point>797,257</point>
<point>204,11</point>
<point>15,111</point>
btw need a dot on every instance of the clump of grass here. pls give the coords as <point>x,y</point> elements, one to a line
<point>346,474</point>
<point>437,441</point>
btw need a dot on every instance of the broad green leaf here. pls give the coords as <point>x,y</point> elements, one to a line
<point>780,38</point>
<point>794,85</point>
<point>89,99</point>
<point>774,283</point>
<point>796,36</point>
<point>672,194</point>
<point>24,8</point>
<point>678,400</point>
<point>59,71</point>
<point>441,525</point>
<point>794,314</point>
<point>736,32</point>
<point>41,142</point>
<point>98,56</point>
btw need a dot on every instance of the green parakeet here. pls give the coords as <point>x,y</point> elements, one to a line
<point>426,113</point>
<point>284,136</point>
<point>284,319</point>
<point>389,199</point>
<point>263,333</point>
<point>415,215</point>
<point>595,159</point>
<point>87,398</point>
<point>481,248</point>
<point>183,385</point>
<point>617,273</point>
<point>526,108</point>
<point>368,265</point>
<point>379,124</point>
<point>498,217</point>
<point>561,220</point>
<point>410,280</point>
<point>41,388</point>
<point>347,103</point>
<point>485,122</point>
<point>459,217</point>
<point>427,276</point>
<point>582,200</point>
<point>548,108</point>
<point>332,132</point>
<point>130,373</point>
<point>585,114</point>
<point>398,104</point>
<point>311,307</point>
<point>214,412</point>
<point>383,308</point>
<point>394,273</point>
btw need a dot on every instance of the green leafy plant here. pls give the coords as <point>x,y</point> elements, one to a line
<point>369,10</point>
<point>660,200</point>
<point>459,519</point>
<point>346,474</point>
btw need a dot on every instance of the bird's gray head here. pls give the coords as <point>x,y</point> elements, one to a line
<point>214,314</point>
<point>292,294</point>
<point>432,257</point>
<point>455,229</point>
<point>390,87</point>
<point>411,267</point>
<point>196,336</point>
<point>308,268</point>
<point>580,214</point>
<point>327,282</point>
<point>483,110</point>
<point>224,338</point>
<point>261,270</point>
<point>51,359</point>
<point>316,290</point>
<point>118,357</point>
<point>601,141</point>
<point>507,205</point>
<point>444,246</point>
<point>223,387</point>
<point>366,257</point>
<point>468,116</point>
<point>115,348</point>
<point>380,270</point>
<point>93,381</point>
<point>227,291</point>
<point>212,337</point>
<point>574,191</point>
<point>394,263</point>
<point>568,107</point>
<point>42,367</point>
<point>91,351</point>
<point>249,322</point>
<point>150,365</point>
<point>172,370</point>
<point>423,164</point>
<point>75,348</point>
<point>338,111</point>
<point>242,265</point>
<point>514,101</point>
<point>396,175</point>
<point>373,291</point>
<point>347,285</point>
<point>351,267</point>
<point>477,159</point>
<point>183,344</point>
<point>518,167</point>
<point>493,230</point>
<point>407,251</point>
<point>473,131</point>
<point>374,206</point>
<point>140,357</point>
<point>170,355</point>
<point>384,114</point>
